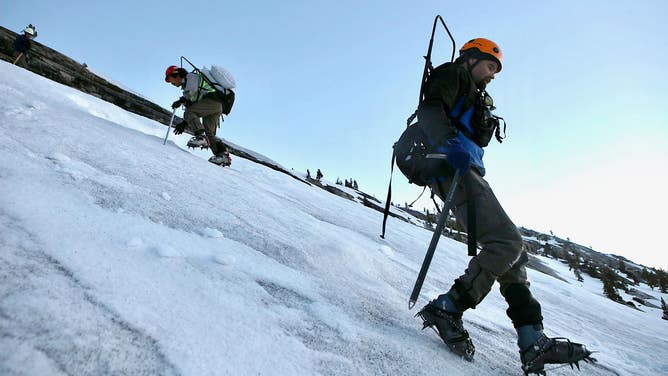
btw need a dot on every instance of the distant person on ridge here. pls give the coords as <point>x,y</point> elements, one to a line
<point>22,45</point>
<point>200,101</point>
<point>453,118</point>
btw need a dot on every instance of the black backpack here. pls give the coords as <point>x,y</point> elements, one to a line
<point>227,99</point>
<point>411,154</point>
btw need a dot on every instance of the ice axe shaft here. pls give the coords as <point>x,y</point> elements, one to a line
<point>17,58</point>
<point>170,127</point>
<point>434,240</point>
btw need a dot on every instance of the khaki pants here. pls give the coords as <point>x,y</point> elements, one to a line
<point>210,111</point>
<point>501,259</point>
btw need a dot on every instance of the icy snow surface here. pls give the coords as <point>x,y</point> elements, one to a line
<point>119,255</point>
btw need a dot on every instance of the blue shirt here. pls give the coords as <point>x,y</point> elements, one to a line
<point>464,120</point>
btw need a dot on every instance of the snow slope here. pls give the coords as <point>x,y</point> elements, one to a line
<point>119,255</point>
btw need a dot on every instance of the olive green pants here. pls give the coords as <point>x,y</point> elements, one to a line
<point>210,111</point>
<point>502,257</point>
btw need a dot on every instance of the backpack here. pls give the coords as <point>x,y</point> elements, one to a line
<point>411,154</point>
<point>220,77</point>
<point>223,81</point>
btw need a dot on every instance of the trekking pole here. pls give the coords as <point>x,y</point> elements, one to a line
<point>170,126</point>
<point>17,58</point>
<point>434,240</point>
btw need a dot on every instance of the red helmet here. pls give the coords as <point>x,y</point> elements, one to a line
<point>483,47</point>
<point>170,69</point>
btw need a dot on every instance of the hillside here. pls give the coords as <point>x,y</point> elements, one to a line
<point>124,256</point>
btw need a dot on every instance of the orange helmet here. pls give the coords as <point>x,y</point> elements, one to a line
<point>485,47</point>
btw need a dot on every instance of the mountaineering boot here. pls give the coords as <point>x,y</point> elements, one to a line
<point>222,159</point>
<point>527,335</point>
<point>199,140</point>
<point>449,327</point>
<point>553,351</point>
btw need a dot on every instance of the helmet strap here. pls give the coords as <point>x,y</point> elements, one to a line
<point>470,67</point>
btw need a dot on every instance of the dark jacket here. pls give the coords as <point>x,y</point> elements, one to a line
<point>22,44</point>
<point>449,110</point>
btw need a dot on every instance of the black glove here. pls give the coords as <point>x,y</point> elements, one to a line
<point>178,103</point>
<point>180,127</point>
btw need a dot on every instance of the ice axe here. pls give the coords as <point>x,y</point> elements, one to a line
<point>434,240</point>
<point>170,126</point>
<point>17,58</point>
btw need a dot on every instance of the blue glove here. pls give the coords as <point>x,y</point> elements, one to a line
<point>458,157</point>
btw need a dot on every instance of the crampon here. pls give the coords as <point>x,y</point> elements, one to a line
<point>450,328</point>
<point>553,351</point>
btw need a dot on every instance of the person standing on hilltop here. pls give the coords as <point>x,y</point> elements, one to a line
<point>22,45</point>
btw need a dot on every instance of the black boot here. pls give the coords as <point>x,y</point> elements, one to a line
<point>450,328</point>
<point>555,351</point>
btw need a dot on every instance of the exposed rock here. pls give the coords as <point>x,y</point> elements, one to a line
<point>381,209</point>
<point>640,294</point>
<point>536,264</point>
<point>369,197</point>
<point>645,302</point>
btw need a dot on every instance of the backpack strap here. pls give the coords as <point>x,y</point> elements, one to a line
<point>471,225</point>
<point>386,212</point>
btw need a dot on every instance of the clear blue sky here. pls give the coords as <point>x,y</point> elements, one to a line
<point>329,85</point>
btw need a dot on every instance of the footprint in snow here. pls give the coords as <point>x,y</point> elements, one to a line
<point>58,157</point>
<point>165,251</point>
<point>223,259</point>
<point>387,251</point>
<point>211,233</point>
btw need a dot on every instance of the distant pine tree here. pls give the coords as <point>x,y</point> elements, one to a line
<point>652,280</point>
<point>572,261</point>
<point>578,275</point>
<point>662,278</point>
<point>665,309</point>
<point>609,279</point>
<point>428,219</point>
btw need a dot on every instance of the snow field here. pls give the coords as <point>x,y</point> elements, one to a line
<point>126,256</point>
